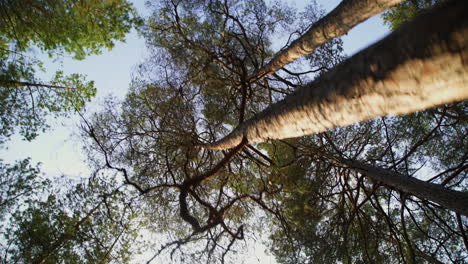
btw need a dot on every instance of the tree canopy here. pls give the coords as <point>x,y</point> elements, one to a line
<point>79,28</point>
<point>379,191</point>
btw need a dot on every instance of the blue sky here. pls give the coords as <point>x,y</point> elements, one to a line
<point>59,150</point>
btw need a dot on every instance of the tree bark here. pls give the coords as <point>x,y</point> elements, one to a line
<point>421,65</point>
<point>338,22</point>
<point>454,200</point>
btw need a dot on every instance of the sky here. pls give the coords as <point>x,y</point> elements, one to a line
<point>60,150</point>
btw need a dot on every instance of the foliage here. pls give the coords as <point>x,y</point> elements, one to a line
<point>79,28</point>
<point>19,183</point>
<point>39,222</point>
<point>406,11</point>
<point>27,101</point>
<point>47,24</point>
<point>81,224</point>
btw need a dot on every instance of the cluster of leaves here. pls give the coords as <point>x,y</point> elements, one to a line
<point>19,184</point>
<point>74,224</point>
<point>47,24</point>
<point>406,11</point>
<point>27,102</point>
<point>79,28</point>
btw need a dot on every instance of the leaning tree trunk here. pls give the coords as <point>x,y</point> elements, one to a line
<point>421,65</point>
<point>338,22</point>
<point>453,200</point>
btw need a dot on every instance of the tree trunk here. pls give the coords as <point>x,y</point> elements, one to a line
<point>421,65</point>
<point>23,84</point>
<point>447,198</point>
<point>338,22</point>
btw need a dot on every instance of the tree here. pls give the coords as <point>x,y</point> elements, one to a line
<point>35,226</point>
<point>27,101</point>
<point>335,214</point>
<point>18,182</point>
<point>378,81</point>
<point>337,23</point>
<point>56,27</point>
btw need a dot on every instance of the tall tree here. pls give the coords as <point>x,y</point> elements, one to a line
<point>373,228</point>
<point>334,213</point>
<point>415,68</point>
<point>338,22</point>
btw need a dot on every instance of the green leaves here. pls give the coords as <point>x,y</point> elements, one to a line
<point>19,184</point>
<point>85,223</point>
<point>76,92</point>
<point>406,11</point>
<point>26,101</point>
<point>80,28</point>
